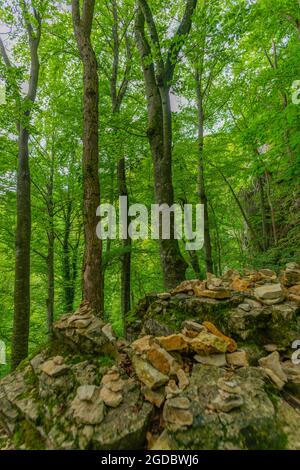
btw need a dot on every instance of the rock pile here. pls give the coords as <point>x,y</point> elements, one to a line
<point>209,367</point>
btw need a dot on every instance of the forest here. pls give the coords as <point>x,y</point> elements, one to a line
<point>185,102</point>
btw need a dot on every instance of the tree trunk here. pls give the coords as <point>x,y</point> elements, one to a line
<point>92,268</point>
<point>21,320</point>
<point>126,258</point>
<point>160,138</point>
<point>265,243</point>
<point>50,255</point>
<point>201,183</point>
<point>22,269</point>
<point>158,76</point>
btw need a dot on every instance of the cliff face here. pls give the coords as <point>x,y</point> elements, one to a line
<point>208,367</point>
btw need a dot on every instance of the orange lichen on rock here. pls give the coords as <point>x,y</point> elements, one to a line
<point>232,346</point>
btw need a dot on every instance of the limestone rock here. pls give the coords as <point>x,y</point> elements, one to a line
<point>177,414</point>
<point>238,359</point>
<point>147,374</point>
<point>291,275</point>
<point>176,342</point>
<point>269,294</point>
<point>232,346</point>
<point>162,360</point>
<point>109,397</point>
<point>218,360</point>
<point>142,345</point>
<point>215,294</point>
<point>87,406</point>
<point>54,367</point>
<point>193,326</point>
<point>156,397</point>
<point>208,343</point>
<point>226,402</point>
<point>272,363</point>
<point>183,380</point>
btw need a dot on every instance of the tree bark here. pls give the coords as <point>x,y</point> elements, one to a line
<point>117,95</point>
<point>21,319</point>
<point>92,268</point>
<point>201,181</point>
<point>50,254</point>
<point>158,76</point>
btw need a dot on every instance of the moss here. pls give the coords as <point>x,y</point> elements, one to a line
<point>264,438</point>
<point>27,435</point>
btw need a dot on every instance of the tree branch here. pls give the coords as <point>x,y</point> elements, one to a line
<point>178,39</point>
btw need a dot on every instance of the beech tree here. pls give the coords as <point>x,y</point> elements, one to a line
<point>92,269</point>
<point>32,20</point>
<point>158,75</point>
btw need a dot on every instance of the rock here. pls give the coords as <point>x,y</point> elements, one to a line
<point>270,347</point>
<point>240,285</point>
<point>187,286</point>
<point>295,290</point>
<point>54,367</point>
<point>163,442</point>
<point>268,274</point>
<point>218,360</point>
<point>208,343</point>
<point>226,402</point>
<point>238,359</point>
<point>232,346</point>
<point>274,378</point>
<point>110,398</point>
<point>109,332</point>
<point>110,377</point>
<point>292,371</point>
<point>142,345</point>
<point>269,294</point>
<point>162,360</point>
<point>193,326</point>
<point>82,323</point>
<point>253,303</point>
<point>172,389</point>
<point>183,380</point>
<point>176,413</point>
<point>164,295</point>
<point>88,411</point>
<point>86,392</point>
<point>245,307</point>
<point>176,342</point>
<point>272,363</point>
<point>147,374</point>
<point>230,275</point>
<point>291,275</point>
<point>156,397</point>
<point>215,294</point>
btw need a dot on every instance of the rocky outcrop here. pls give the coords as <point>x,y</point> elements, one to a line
<point>203,372</point>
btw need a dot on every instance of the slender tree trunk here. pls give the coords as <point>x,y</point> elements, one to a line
<point>22,269</point>
<point>23,231</point>
<point>126,258</point>
<point>263,213</point>
<point>92,269</point>
<point>271,208</point>
<point>50,255</point>
<point>201,182</point>
<point>67,270</point>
